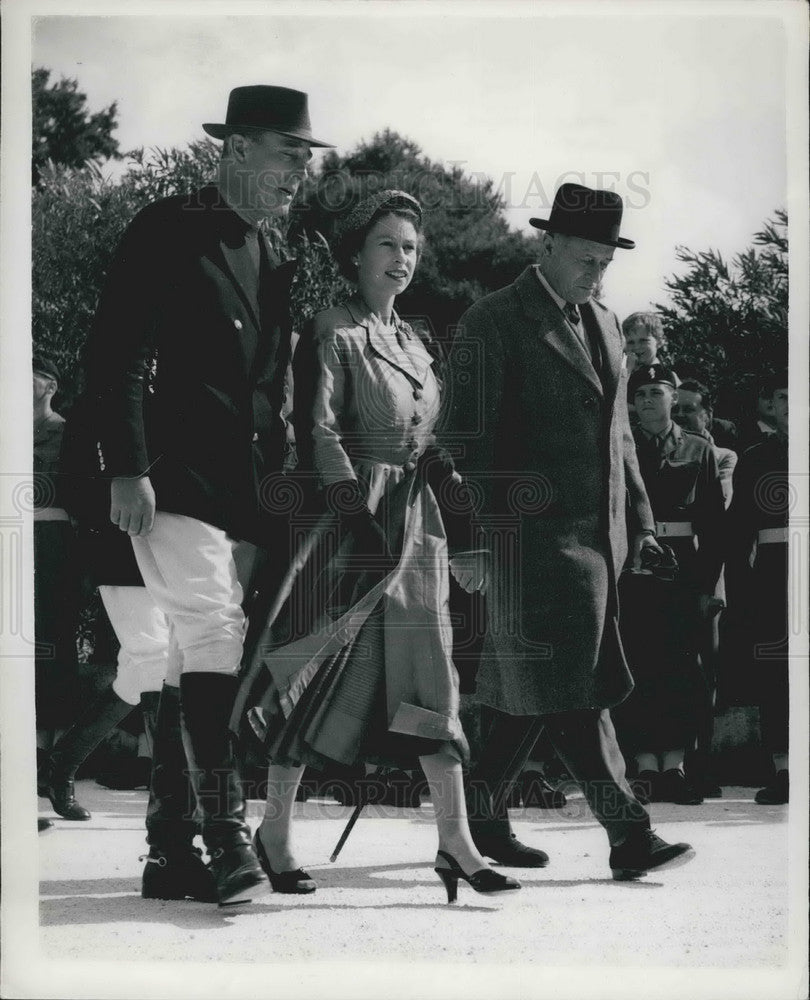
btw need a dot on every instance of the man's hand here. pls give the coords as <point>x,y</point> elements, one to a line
<point>641,541</point>
<point>132,504</point>
<point>710,606</point>
<point>471,571</point>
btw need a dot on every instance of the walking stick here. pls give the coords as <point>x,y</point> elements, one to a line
<point>381,772</point>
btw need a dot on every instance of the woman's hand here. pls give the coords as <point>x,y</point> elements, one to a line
<point>471,571</point>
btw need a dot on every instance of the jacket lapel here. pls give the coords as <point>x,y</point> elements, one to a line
<point>239,267</point>
<point>552,327</point>
<point>381,346</point>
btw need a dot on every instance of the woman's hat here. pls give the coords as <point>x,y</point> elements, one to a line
<point>268,109</point>
<point>362,213</point>
<point>589,214</point>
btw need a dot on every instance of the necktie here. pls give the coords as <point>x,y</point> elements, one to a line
<point>572,314</point>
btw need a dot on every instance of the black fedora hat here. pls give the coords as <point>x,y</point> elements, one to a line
<point>266,109</point>
<point>591,214</point>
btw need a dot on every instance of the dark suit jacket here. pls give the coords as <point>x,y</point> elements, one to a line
<point>546,445</point>
<point>186,364</point>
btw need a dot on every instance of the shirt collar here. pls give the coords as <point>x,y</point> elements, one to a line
<point>224,195</point>
<point>662,436</point>
<point>558,300</point>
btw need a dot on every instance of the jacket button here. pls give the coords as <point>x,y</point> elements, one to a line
<point>587,401</point>
<point>409,466</point>
<point>255,438</point>
<point>238,324</point>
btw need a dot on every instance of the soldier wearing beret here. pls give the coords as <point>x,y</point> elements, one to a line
<point>663,614</point>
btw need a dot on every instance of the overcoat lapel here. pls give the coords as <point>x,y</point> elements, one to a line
<point>611,348</point>
<point>552,327</point>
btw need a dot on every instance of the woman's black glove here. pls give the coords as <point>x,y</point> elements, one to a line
<point>437,469</point>
<point>346,501</point>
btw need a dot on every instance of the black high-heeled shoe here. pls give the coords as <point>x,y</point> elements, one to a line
<point>484,880</point>
<point>297,881</point>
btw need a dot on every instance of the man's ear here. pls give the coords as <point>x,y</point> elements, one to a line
<point>674,396</point>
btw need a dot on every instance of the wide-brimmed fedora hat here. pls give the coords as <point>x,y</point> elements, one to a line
<point>591,214</point>
<point>266,109</point>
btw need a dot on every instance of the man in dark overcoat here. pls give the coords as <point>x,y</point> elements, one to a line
<point>538,421</point>
<point>186,366</point>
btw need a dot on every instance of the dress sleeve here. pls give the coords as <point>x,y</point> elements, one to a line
<point>329,410</point>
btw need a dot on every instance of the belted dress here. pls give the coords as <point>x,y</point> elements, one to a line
<point>353,660</point>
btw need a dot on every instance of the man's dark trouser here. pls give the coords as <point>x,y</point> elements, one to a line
<point>586,743</point>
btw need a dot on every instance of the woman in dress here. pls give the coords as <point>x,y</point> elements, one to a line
<point>354,663</point>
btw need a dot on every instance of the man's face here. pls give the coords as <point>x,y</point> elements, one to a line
<point>780,410</point>
<point>653,404</point>
<point>574,267</point>
<point>269,169</point>
<point>690,412</point>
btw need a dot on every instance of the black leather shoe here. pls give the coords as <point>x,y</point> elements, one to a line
<point>43,825</point>
<point>672,786</point>
<point>237,874</point>
<point>506,849</point>
<point>777,793</point>
<point>538,793</point>
<point>645,786</point>
<point>708,789</point>
<point>178,874</point>
<point>292,882</point>
<point>485,880</point>
<point>643,852</point>
<point>61,791</point>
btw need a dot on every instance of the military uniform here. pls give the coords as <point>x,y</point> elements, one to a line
<point>757,580</point>
<point>660,622</point>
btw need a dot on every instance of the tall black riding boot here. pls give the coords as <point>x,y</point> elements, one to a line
<point>174,866</point>
<point>55,781</point>
<point>206,701</point>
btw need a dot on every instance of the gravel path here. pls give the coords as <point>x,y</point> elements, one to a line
<point>719,924</point>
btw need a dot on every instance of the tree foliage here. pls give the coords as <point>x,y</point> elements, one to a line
<point>79,216</point>
<point>730,319</point>
<point>64,131</point>
<point>469,249</point>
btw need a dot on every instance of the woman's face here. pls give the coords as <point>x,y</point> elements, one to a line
<point>643,344</point>
<point>387,259</point>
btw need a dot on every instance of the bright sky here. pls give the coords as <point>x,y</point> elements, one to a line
<point>683,115</point>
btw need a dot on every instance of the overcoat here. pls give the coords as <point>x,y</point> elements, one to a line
<point>186,363</point>
<point>544,440</point>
